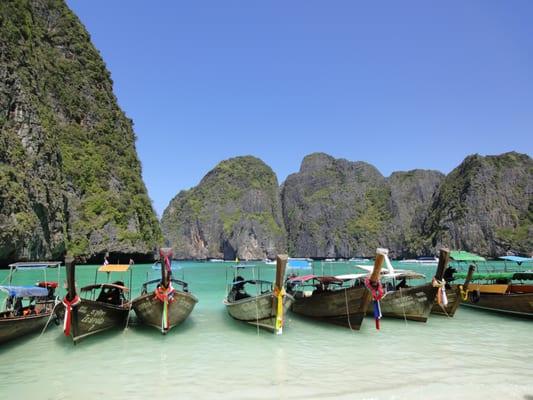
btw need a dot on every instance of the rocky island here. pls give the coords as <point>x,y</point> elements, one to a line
<point>70,178</point>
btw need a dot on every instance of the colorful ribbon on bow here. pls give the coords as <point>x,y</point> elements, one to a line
<point>442,299</point>
<point>376,289</point>
<point>165,296</point>
<point>279,294</point>
<point>67,321</point>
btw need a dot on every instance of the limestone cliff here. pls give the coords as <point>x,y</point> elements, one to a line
<point>233,212</point>
<point>485,205</point>
<point>335,208</point>
<point>69,174</point>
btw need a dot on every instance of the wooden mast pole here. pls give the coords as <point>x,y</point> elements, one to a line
<point>165,252</point>
<point>378,262</point>
<point>70,266</point>
<point>444,257</point>
<point>469,276</point>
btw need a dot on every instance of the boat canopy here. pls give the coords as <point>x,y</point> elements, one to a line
<point>35,265</point>
<point>114,268</point>
<point>298,263</point>
<point>460,255</point>
<point>348,277</point>
<point>251,282</point>
<point>24,291</point>
<point>326,280</point>
<point>518,276</point>
<point>303,278</point>
<point>516,259</point>
<point>242,266</point>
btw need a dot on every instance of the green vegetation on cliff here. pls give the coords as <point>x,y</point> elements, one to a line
<point>485,205</point>
<point>234,211</point>
<point>66,141</point>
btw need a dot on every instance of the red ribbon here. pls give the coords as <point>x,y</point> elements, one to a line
<point>164,294</point>
<point>168,265</point>
<point>376,289</point>
<point>68,313</point>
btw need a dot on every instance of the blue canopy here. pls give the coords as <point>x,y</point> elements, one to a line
<point>516,259</point>
<point>299,264</point>
<point>24,291</point>
<point>35,265</point>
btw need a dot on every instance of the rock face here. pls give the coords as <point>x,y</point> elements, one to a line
<point>485,205</point>
<point>233,212</point>
<point>411,196</point>
<point>337,208</point>
<point>69,174</point>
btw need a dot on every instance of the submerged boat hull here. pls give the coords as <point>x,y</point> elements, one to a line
<point>90,317</point>
<point>345,307</point>
<point>412,303</point>
<point>149,309</point>
<point>259,310</point>
<point>454,299</point>
<point>518,304</point>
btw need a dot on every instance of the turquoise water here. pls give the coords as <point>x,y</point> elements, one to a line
<point>474,355</point>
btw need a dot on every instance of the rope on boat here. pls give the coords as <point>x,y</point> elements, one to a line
<point>403,306</point>
<point>376,289</point>
<point>256,305</point>
<point>464,293</point>
<point>52,314</point>
<point>347,308</point>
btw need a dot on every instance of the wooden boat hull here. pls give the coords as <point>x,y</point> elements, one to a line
<point>259,310</point>
<point>149,309</point>
<point>14,327</point>
<point>412,303</point>
<point>346,307</point>
<point>454,299</point>
<point>90,317</point>
<point>517,304</point>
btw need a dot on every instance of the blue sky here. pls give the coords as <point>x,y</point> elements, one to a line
<point>402,85</point>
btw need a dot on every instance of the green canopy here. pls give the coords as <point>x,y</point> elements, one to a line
<point>459,255</point>
<point>489,276</point>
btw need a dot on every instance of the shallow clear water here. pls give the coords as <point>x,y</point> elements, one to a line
<point>474,355</point>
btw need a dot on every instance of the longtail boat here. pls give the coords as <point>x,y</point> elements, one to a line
<point>169,303</point>
<point>454,293</point>
<point>27,308</point>
<point>502,291</point>
<point>410,302</point>
<point>101,307</point>
<point>340,300</point>
<point>256,302</point>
